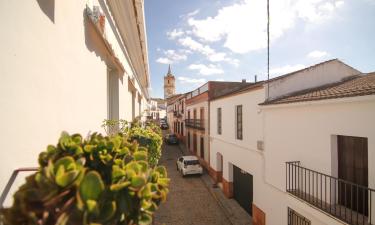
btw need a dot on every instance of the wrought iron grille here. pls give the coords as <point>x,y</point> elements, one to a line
<point>295,218</point>
<point>347,201</point>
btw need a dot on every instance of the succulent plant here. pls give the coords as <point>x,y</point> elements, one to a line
<point>149,136</point>
<point>101,180</point>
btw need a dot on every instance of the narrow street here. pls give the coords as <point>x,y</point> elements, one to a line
<point>189,200</point>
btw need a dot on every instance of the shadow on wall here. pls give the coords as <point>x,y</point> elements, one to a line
<point>92,39</point>
<point>48,8</point>
<point>94,43</point>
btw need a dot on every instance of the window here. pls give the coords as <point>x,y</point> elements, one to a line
<point>219,120</point>
<point>295,218</point>
<point>112,95</point>
<point>239,122</point>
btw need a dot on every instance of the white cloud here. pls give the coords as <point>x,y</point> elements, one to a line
<point>339,3</point>
<point>242,26</point>
<point>285,69</point>
<point>220,79</point>
<point>191,80</point>
<point>196,46</point>
<point>190,14</point>
<point>206,70</point>
<point>163,60</point>
<point>206,50</point>
<point>317,54</point>
<point>174,34</point>
<point>173,56</point>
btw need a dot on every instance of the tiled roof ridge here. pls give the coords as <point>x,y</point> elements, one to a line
<point>242,89</point>
<point>337,87</point>
<point>312,66</point>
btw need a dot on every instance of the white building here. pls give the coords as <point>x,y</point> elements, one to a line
<point>157,109</point>
<point>322,117</point>
<point>67,66</point>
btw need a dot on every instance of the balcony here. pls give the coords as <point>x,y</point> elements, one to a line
<point>177,114</point>
<point>347,201</point>
<point>195,123</point>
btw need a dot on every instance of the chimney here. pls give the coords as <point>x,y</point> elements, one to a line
<point>243,80</point>
<point>255,78</point>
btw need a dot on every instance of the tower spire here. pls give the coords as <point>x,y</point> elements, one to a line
<point>169,70</point>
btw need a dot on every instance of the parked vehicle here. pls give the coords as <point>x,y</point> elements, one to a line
<point>189,165</point>
<point>164,126</point>
<point>171,139</point>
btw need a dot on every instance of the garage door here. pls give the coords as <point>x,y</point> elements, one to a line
<point>243,188</point>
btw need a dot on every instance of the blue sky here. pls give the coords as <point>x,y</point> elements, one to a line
<point>226,40</point>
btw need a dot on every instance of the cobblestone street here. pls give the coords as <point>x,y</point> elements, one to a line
<point>189,200</point>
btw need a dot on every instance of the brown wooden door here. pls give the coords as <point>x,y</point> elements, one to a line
<point>353,167</point>
<point>202,148</point>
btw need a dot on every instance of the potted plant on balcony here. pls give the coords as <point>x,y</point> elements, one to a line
<point>101,180</point>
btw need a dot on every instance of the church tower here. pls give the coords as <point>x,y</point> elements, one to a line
<point>169,84</point>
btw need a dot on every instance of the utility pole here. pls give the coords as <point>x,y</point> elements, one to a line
<point>268,49</point>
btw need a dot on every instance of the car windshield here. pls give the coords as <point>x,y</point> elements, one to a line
<point>172,135</point>
<point>191,162</point>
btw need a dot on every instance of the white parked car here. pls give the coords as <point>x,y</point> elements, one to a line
<point>189,165</point>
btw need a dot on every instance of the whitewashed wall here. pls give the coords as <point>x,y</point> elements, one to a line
<point>53,78</point>
<point>330,72</point>
<point>303,132</point>
<point>252,119</point>
<point>290,133</point>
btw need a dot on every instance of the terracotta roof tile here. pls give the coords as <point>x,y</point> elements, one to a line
<point>356,86</point>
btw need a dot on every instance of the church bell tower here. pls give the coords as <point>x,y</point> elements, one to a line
<point>169,84</point>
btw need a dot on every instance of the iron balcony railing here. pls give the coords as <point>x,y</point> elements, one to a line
<point>11,180</point>
<point>177,114</point>
<point>195,123</point>
<point>345,200</point>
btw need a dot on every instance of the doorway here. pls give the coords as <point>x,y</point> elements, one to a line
<point>353,167</point>
<point>195,143</point>
<point>202,147</point>
<point>243,188</point>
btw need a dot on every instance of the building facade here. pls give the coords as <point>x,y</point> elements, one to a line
<point>197,116</point>
<point>67,66</point>
<point>296,149</point>
<point>176,118</point>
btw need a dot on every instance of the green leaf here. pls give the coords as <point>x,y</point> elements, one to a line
<point>162,170</point>
<point>67,162</point>
<point>91,186</point>
<point>92,206</point>
<point>89,148</point>
<point>140,155</point>
<point>117,173</point>
<point>145,219</point>
<point>66,178</point>
<point>137,182</point>
<point>77,138</point>
<point>64,140</point>
<point>108,210</point>
<point>163,182</point>
<point>119,186</point>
